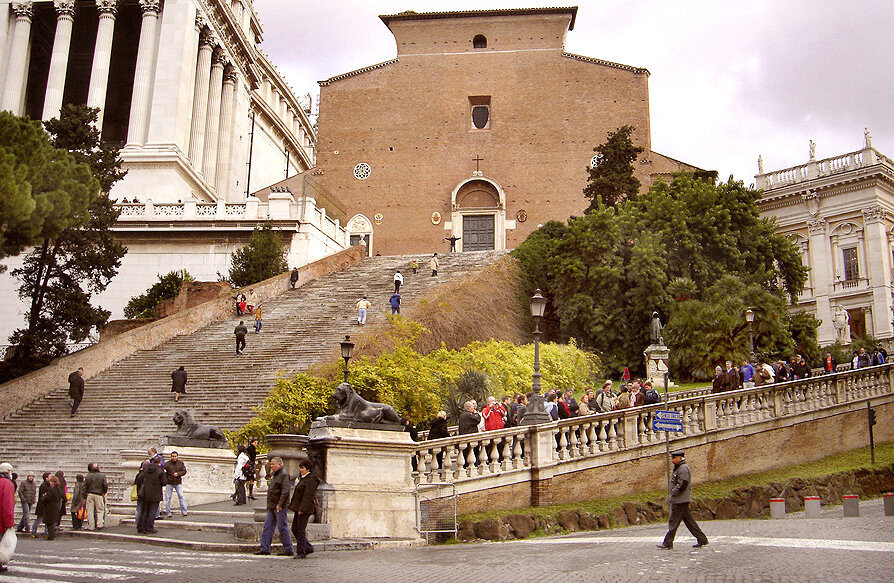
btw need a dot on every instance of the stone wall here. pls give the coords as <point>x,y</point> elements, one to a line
<point>732,452</point>
<point>21,391</point>
<point>747,502</point>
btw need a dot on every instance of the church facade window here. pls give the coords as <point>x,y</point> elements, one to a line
<point>479,42</point>
<point>362,171</point>
<point>480,112</point>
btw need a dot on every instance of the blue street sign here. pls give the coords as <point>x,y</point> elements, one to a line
<point>675,416</point>
<point>661,425</point>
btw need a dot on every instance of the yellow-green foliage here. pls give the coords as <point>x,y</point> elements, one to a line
<point>415,384</point>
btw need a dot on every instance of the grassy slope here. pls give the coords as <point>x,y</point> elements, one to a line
<point>852,460</point>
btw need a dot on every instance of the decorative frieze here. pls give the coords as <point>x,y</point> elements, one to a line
<point>65,7</point>
<point>817,227</point>
<point>875,214</point>
<point>107,6</point>
<point>23,9</point>
<point>150,6</point>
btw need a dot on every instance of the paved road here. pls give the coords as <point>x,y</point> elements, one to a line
<point>795,550</point>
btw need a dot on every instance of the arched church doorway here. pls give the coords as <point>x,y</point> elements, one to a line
<point>361,230</point>
<point>479,215</point>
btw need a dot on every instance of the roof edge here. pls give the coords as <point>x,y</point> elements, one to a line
<point>356,72</point>
<point>410,15</point>
<point>638,70</point>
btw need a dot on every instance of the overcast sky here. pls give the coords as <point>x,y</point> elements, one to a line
<point>729,79</point>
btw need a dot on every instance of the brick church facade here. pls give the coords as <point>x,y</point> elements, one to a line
<point>481,128</point>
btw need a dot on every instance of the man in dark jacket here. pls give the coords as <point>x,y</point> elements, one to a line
<point>175,469</point>
<point>41,490</point>
<point>240,333</point>
<point>252,452</point>
<point>679,498</point>
<point>76,389</point>
<point>96,486</point>
<point>178,383</point>
<point>28,497</point>
<point>49,505</point>
<point>303,505</point>
<point>468,423</point>
<point>150,492</point>
<point>293,277</point>
<point>732,378</point>
<point>277,505</point>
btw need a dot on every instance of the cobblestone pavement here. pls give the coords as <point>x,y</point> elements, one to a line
<point>794,550</point>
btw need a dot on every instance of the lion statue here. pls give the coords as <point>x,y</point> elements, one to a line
<point>353,407</point>
<point>187,427</point>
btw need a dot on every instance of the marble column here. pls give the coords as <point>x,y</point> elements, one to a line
<point>18,58</point>
<point>225,143</point>
<point>142,83</point>
<point>212,128</point>
<point>102,56</point>
<point>52,103</point>
<point>878,270</point>
<point>821,272</point>
<point>200,100</point>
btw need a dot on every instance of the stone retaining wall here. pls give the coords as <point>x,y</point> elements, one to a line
<point>21,391</point>
<point>748,502</point>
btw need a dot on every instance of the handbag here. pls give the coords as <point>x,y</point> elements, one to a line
<point>8,545</point>
<point>133,494</point>
<point>81,513</point>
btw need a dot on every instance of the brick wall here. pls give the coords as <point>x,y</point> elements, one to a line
<point>410,121</point>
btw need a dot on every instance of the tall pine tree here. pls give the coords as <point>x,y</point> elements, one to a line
<point>611,176</point>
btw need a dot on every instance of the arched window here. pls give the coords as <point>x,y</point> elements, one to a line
<point>479,42</point>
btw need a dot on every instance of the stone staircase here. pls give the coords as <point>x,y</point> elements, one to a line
<point>129,405</point>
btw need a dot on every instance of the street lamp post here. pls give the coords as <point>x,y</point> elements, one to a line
<point>347,350</point>
<point>536,412</point>
<point>749,317</point>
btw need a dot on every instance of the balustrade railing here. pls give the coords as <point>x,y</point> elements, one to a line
<point>478,455</point>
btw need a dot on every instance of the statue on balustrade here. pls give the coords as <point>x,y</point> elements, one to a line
<point>354,408</point>
<point>842,325</point>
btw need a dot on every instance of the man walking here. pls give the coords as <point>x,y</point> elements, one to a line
<point>150,482</point>
<point>398,281</point>
<point>175,469</point>
<point>277,505</point>
<point>433,263</point>
<point>293,278</point>
<point>240,333</point>
<point>395,304</point>
<point>96,486</point>
<point>28,498</point>
<point>303,505</point>
<point>178,383</point>
<point>679,498</point>
<point>362,306</point>
<point>76,389</point>
<point>7,501</point>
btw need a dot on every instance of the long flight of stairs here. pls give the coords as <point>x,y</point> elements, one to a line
<point>129,405</point>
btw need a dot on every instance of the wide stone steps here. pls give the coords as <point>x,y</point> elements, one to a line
<point>129,406</point>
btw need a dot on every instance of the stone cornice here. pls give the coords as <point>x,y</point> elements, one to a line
<point>260,106</point>
<point>637,70</point>
<point>792,194</point>
<point>356,72</point>
<point>222,20</point>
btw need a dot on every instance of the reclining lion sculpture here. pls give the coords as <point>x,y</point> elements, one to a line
<point>189,428</point>
<point>353,407</point>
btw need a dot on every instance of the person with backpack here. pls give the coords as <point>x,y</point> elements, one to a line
<point>652,395</point>
<point>606,400</point>
<point>240,475</point>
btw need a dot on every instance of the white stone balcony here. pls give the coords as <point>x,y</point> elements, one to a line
<point>821,168</point>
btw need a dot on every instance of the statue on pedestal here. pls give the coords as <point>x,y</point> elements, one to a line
<point>655,329</point>
<point>842,325</point>
<point>194,434</point>
<point>354,408</point>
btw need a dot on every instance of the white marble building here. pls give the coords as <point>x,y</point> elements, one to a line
<point>182,84</point>
<point>840,212</point>
<point>202,115</point>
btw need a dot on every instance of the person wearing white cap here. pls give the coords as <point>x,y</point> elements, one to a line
<point>7,512</point>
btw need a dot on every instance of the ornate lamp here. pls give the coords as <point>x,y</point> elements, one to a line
<point>347,351</point>
<point>536,412</point>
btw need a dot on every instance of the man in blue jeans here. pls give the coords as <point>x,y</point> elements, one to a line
<point>277,505</point>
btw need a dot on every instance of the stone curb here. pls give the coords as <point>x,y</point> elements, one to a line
<point>323,546</point>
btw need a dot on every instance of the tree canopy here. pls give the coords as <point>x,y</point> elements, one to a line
<point>75,254</point>
<point>611,178</point>
<point>262,258</point>
<point>694,250</point>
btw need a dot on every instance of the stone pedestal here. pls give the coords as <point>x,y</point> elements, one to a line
<point>657,357</point>
<point>812,507</point>
<point>851,505</point>
<point>209,471</point>
<point>777,508</point>
<point>368,489</point>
